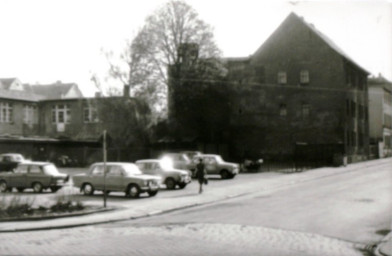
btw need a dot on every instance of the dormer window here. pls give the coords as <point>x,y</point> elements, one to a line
<point>304,77</point>
<point>282,77</point>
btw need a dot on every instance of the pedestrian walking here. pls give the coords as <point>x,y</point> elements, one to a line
<point>201,174</point>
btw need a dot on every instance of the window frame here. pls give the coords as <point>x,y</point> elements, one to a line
<point>304,77</point>
<point>282,77</point>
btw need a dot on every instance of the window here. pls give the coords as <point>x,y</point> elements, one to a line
<point>61,114</point>
<point>30,114</point>
<point>387,97</point>
<point>282,77</point>
<point>353,109</point>
<point>115,171</point>
<point>90,115</point>
<point>97,171</point>
<point>387,121</point>
<point>304,77</point>
<point>6,112</point>
<point>282,110</point>
<point>21,169</point>
<point>360,112</point>
<point>305,110</point>
<point>35,169</point>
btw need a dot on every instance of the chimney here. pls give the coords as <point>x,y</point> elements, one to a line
<point>126,91</point>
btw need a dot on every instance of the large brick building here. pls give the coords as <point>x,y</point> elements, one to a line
<point>298,95</point>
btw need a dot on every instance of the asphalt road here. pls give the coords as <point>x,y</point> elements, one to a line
<point>337,214</point>
<point>354,206</point>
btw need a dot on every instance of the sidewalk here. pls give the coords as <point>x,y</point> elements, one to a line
<point>155,206</point>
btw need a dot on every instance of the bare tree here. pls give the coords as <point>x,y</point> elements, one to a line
<point>169,27</point>
<point>144,62</point>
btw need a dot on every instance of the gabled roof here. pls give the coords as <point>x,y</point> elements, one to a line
<point>380,81</point>
<point>292,17</point>
<point>19,95</point>
<point>5,83</point>
<point>56,90</point>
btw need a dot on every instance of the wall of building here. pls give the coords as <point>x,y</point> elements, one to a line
<point>76,129</point>
<point>17,126</point>
<point>375,113</point>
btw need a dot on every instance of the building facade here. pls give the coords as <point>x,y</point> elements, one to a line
<point>380,115</point>
<point>44,122</point>
<point>298,96</point>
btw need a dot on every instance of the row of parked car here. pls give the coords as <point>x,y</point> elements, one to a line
<point>144,176</point>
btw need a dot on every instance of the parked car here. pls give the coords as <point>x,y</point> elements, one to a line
<point>170,176</point>
<point>35,175</point>
<point>123,177</point>
<point>214,164</point>
<point>66,161</point>
<point>177,160</point>
<point>191,154</point>
<point>9,161</point>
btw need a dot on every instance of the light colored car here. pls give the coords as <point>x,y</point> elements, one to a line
<point>170,176</point>
<point>191,154</point>
<point>178,160</point>
<point>123,177</point>
<point>35,175</point>
<point>215,165</point>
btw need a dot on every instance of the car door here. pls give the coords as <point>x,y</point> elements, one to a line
<point>18,178</point>
<point>95,177</point>
<point>114,178</point>
<point>211,165</point>
<point>36,174</point>
<point>156,170</point>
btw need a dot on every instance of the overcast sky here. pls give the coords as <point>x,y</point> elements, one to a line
<point>49,40</point>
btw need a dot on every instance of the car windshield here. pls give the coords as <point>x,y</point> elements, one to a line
<point>50,169</point>
<point>131,169</point>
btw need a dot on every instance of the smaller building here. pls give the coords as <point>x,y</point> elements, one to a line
<point>380,116</point>
<point>44,122</point>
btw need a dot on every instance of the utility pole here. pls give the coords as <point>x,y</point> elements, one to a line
<point>104,168</point>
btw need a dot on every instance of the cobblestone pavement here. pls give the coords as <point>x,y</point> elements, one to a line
<point>173,239</point>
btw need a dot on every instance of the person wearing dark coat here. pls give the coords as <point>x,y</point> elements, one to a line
<point>201,174</point>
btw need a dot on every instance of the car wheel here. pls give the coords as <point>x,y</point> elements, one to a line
<point>182,185</point>
<point>133,191</point>
<point>20,190</point>
<point>153,193</point>
<point>225,174</point>
<point>3,186</point>
<point>170,183</point>
<point>88,189</point>
<point>37,187</point>
<point>54,189</point>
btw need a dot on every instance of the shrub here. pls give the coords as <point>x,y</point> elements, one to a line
<point>16,206</point>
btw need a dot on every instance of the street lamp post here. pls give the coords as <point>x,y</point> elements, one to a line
<point>104,168</point>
